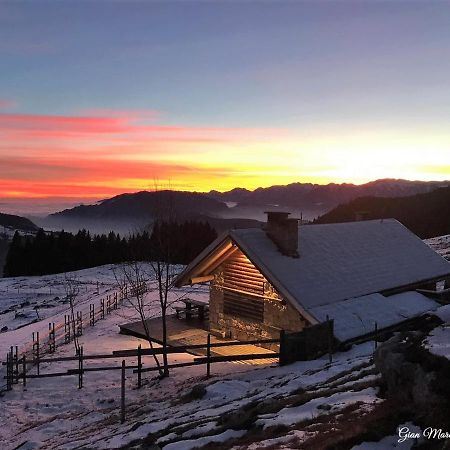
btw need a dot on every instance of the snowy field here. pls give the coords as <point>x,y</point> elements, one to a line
<point>24,300</point>
<point>52,413</point>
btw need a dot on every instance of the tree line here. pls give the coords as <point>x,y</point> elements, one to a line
<point>57,252</point>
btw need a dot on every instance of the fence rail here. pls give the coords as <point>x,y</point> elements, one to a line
<point>17,368</point>
<point>45,343</point>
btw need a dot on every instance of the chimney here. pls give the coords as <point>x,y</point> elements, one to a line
<point>283,232</point>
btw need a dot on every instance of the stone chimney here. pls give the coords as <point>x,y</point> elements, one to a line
<point>283,232</point>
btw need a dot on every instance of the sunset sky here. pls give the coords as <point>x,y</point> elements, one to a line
<point>100,98</point>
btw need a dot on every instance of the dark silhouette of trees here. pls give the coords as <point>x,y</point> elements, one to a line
<point>58,252</point>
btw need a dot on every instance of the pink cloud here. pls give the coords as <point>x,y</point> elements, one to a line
<point>62,124</point>
<point>84,170</point>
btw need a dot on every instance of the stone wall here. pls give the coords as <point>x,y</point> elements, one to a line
<point>278,315</point>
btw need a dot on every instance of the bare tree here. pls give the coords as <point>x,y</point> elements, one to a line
<point>133,279</point>
<point>72,289</point>
<point>150,284</point>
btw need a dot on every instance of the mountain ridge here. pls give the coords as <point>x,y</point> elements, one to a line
<point>426,214</point>
<point>311,195</point>
<point>236,208</point>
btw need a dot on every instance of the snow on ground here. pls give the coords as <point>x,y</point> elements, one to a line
<point>315,407</point>
<point>52,413</point>
<point>438,342</point>
<point>198,422</point>
<point>24,300</point>
<point>441,245</point>
<point>443,313</point>
<point>20,296</point>
<point>48,412</point>
<point>399,440</point>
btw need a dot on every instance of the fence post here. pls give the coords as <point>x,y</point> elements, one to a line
<point>139,366</point>
<point>51,337</point>
<point>281,359</point>
<point>12,362</point>
<point>79,323</point>
<point>24,368</point>
<point>208,356</point>
<point>102,305</point>
<point>8,372</point>
<point>115,300</point>
<point>376,335</point>
<point>67,328</point>
<point>37,354</point>
<point>16,359</point>
<point>80,368</point>
<point>92,314</point>
<point>330,341</point>
<point>122,394</point>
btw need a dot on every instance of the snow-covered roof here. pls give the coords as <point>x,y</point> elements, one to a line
<point>344,260</point>
<point>357,316</point>
<point>337,262</point>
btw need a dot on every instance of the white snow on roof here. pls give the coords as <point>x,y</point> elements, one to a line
<point>357,316</point>
<point>345,260</point>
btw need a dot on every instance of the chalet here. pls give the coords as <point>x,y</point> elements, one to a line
<point>289,277</point>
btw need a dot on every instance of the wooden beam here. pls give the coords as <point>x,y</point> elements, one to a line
<point>204,279</point>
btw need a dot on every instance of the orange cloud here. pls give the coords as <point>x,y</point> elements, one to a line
<point>105,152</point>
<point>112,151</point>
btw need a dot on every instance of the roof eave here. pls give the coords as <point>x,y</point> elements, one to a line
<point>184,277</point>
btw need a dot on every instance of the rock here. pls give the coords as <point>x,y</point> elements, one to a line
<point>415,378</point>
<point>196,393</point>
<point>20,315</point>
<point>4,329</point>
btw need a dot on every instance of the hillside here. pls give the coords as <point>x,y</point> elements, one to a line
<point>127,213</point>
<point>146,205</point>
<point>239,404</point>
<point>8,225</point>
<point>12,222</point>
<point>305,405</point>
<point>427,215</point>
<point>307,195</point>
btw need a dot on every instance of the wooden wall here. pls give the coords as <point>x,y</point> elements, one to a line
<point>244,305</point>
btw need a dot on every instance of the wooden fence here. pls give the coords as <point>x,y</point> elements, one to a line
<point>63,333</point>
<point>18,368</point>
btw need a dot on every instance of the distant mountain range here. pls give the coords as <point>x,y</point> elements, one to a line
<point>427,215</point>
<point>235,208</point>
<point>313,196</point>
